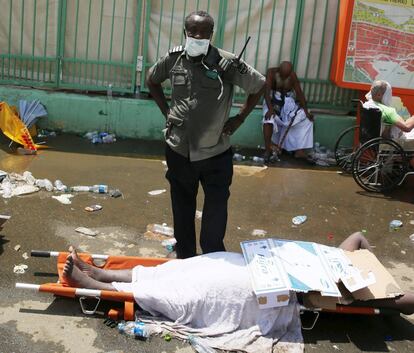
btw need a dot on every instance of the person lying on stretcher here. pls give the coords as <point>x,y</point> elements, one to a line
<point>223,269</point>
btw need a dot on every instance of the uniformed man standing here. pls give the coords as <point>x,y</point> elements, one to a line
<point>198,129</point>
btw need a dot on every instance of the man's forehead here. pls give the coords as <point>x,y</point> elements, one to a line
<point>198,21</point>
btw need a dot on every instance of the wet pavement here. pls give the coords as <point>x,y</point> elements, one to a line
<point>261,199</point>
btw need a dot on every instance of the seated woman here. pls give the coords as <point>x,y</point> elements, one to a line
<point>210,275</point>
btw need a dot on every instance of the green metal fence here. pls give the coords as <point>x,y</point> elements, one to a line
<point>74,44</point>
<point>94,44</point>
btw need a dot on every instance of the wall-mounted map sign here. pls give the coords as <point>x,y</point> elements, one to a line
<point>375,41</point>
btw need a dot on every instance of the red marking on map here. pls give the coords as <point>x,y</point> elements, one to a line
<point>369,42</point>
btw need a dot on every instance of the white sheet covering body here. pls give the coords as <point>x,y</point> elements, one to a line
<point>300,135</point>
<point>211,296</point>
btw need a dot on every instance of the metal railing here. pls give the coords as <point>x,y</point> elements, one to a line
<point>90,45</point>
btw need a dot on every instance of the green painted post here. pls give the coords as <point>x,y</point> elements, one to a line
<point>136,46</point>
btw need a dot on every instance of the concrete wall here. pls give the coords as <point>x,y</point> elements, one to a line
<point>140,118</point>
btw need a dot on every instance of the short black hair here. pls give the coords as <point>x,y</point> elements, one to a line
<point>200,13</point>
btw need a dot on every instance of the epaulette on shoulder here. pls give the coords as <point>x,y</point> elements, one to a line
<point>177,49</point>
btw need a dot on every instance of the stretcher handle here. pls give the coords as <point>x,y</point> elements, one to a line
<point>40,253</point>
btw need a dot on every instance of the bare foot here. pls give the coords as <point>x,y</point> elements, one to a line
<point>89,270</point>
<point>74,276</point>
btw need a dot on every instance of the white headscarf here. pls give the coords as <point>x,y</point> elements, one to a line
<point>386,97</point>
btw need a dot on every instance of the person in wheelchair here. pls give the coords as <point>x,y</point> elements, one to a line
<point>380,97</point>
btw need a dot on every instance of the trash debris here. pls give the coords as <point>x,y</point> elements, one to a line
<point>330,236</point>
<point>167,337</point>
<point>99,189</point>
<point>238,157</point>
<point>100,137</point>
<point>395,224</point>
<point>335,347</point>
<point>162,229</point>
<point>403,252</point>
<point>259,232</point>
<point>156,192</point>
<point>46,133</point>
<point>164,163</point>
<point>364,231</point>
<point>44,184</point>
<point>169,244</point>
<point>412,222</point>
<point>59,186</point>
<point>17,247</point>
<point>115,193</point>
<point>25,256</point>
<point>198,214</point>
<point>24,190</point>
<point>258,160</point>
<point>3,174</point>
<point>412,237</point>
<point>3,219</point>
<point>93,208</point>
<point>21,268</point>
<point>297,220</point>
<point>64,198</point>
<point>86,231</point>
<point>322,156</point>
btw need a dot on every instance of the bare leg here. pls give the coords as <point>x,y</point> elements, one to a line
<point>267,135</point>
<point>355,241</point>
<point>76,278</point>
<point>403,304</point>
<point>100,274</point>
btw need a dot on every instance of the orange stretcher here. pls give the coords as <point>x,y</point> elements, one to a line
<point>61,288</point>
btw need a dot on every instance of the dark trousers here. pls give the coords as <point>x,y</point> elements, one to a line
<point>215,175</point>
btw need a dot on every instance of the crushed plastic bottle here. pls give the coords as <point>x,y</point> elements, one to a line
<point>161,229</point>
<point>137,329</point>
<point>200,346</point>
<point>99,189</point>
<point>395,225</point>
<point>44,184</point>
<point>59,186</point>
<point>169,244</point>
<point>109,138</point>
<point>258,160</point>
<point>80,188</point>
<point>238,157</point>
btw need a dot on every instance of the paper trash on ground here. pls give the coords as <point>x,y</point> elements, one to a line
<point>278,266</point>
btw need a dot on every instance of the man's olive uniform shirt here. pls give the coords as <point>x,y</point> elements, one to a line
<point>197,117</point>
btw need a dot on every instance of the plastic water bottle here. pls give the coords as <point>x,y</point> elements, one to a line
<point>169,244</point>
<point>238,157</point>
<point>59,186</point>
<point>161,229</point>
<point>80,188</point>
<point>199,346</point>
<point>110,138</point>
<point>256,159</point>
<point>136,328</point>
<point>99,189</point>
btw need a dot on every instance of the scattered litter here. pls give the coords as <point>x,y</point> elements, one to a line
<point>44,184</point>
<point>162,229</point>
<point>3,219</point>
<point>395,224</point>
<point>364,231</point>
<point>322,156</point>
<point>335,347</point>
<point>167,337</point>
<point>156,192</point>
<point>238,228</point>
<point>115,193</point>
<point>412,237</point>
<point>198,214</point>
<point>330,236</point>
<point>238,157</point>
<point>169,244</point>
<point>3,174</point>
<point>24,190</point>
<point>25,256</point>
<point>86,231</point>
<point>46,133</point>
<point>258,160</point>
<point>339,172</point>
<point>297,220</point>
<point>17,247</point>
<point>100,137</point>
<point>412,222</point>
<point>59,186</point>
<point>20,268</point>
<point>93,208</point>
<point>164,163</point>
<point>64,198</point>
<point>403,252</point>
<point>259,232</point>
<point>130,246</point>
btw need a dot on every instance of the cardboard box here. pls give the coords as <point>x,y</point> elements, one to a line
<point>279,266</point>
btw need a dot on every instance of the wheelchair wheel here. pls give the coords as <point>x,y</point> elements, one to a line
<point>379,165</point>
<point>344,148</point>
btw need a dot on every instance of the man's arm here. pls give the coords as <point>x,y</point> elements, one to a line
<point>158,94</point>
<point>405,125</point>
<point>268,88</point>
<point>300,96</point>
<point>234,123</point>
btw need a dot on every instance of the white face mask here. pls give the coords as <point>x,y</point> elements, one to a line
<point>387,96</point>
<point>196,47</point>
